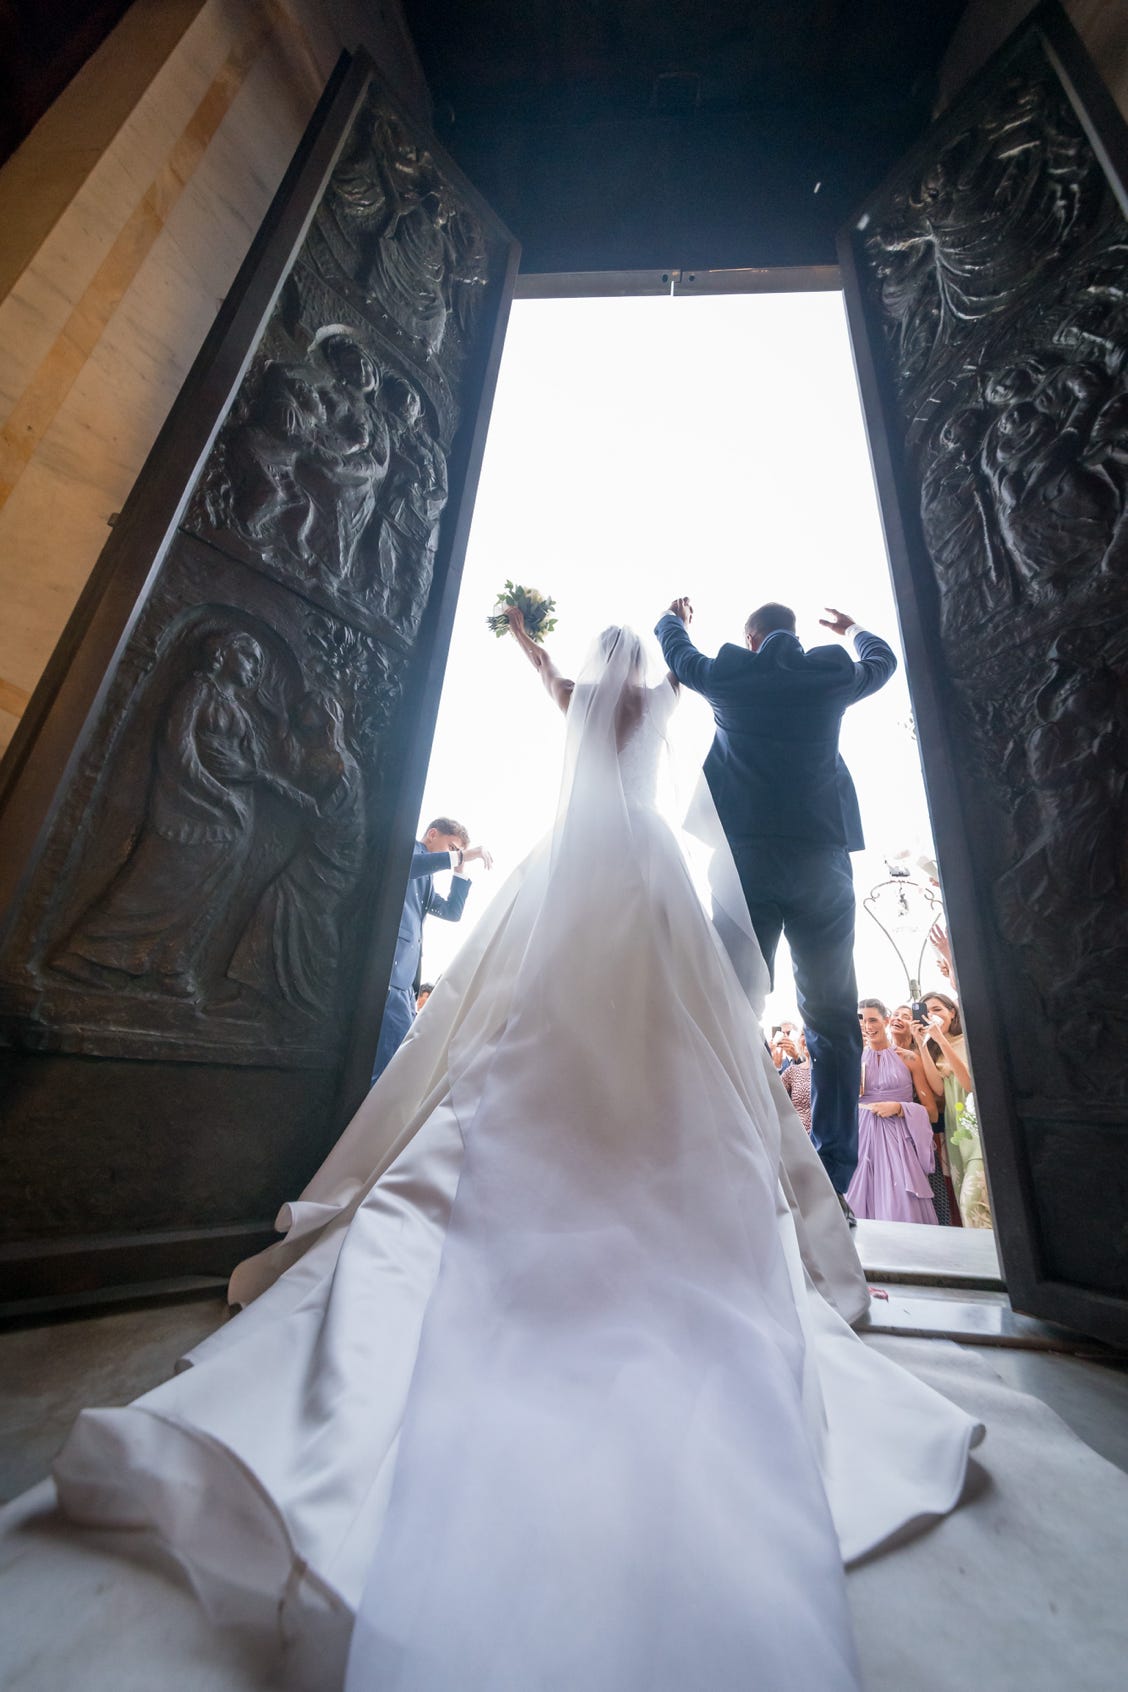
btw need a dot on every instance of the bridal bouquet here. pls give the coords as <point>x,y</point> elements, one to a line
<point>534,607</point>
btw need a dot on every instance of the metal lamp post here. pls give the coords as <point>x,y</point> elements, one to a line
<point>905,911</point>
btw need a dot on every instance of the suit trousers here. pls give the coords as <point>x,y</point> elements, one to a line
<point>399,1014</point>
<point>807,893</point>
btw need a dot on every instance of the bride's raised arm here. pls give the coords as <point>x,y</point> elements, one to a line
<point>558,686</point>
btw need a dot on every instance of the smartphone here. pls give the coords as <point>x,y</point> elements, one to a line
<point>919,1010</point>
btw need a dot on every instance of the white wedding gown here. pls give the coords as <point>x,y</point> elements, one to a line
<point>550,1384</point>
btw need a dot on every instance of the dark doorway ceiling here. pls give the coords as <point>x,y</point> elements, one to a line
<point>645,134</point>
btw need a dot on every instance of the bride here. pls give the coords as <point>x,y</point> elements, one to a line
<point>550,1384</point>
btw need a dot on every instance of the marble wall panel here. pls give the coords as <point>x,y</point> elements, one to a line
<point>102,326</point>
<point>216,215</point>
<point>170,102</point>
<point>49,528</point>
<point>36,310</point>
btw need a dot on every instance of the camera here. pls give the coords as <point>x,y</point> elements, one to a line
<point>919,1010</point>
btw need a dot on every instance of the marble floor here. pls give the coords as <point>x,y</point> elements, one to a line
<point>50,1370</point>
<point>932,1283</point>
<point>1048,1499</point>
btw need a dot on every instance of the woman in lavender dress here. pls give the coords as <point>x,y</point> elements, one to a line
<point>895,1150</point>
<point>909,1039</point>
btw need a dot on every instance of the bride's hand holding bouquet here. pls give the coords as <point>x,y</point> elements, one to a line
<point>534,608</point>
<point>527,616</point>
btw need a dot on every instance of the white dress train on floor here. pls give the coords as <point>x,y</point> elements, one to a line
<point>550,1384</point>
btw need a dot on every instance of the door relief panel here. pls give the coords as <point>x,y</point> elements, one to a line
<point>216,872</point>
<point>989,281</point>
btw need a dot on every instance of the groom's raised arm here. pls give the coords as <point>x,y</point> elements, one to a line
<point>691,667</point>
<point>875,664</point>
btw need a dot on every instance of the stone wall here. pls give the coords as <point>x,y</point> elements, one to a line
<point>126,215</point>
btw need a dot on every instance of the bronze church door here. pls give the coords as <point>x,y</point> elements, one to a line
<point>987,288</point>
<point>207,815</point>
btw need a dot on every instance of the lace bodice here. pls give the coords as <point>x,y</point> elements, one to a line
<point>640,758</point>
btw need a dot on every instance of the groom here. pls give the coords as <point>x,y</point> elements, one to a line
<point>788,806</point>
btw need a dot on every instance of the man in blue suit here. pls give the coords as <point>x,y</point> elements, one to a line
<point>445,846</point>
<point>788,806</point>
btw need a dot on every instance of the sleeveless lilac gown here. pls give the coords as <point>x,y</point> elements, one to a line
<point>895,1153</point>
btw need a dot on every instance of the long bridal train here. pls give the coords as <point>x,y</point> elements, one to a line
<point>550,1383</point>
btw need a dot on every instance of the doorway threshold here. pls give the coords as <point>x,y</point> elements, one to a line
<point>915,1254</point>
<point>946,1283</point>
<point>969,1316</point>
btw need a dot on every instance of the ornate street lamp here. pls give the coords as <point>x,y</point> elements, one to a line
<point>905,911</point>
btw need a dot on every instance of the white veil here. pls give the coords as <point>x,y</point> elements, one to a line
<point>603,855</point>
<point>542,1408</point>
<point>614,1311</point>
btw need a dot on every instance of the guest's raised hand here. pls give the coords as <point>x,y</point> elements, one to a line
<point>478,852</point>
<point>682,609</point>
<point>836,621</point>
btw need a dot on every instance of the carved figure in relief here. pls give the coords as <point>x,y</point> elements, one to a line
<point>1063,901</point>
<point>1075,777</point>
<point>300,476</point>
<point>973,571</point>
<point>1024,492</point>
<point>994,209</point>
<point>346,462</point>
<point>1056,513</point>
<point>262,495</point>
<point>154,922</point>
<point>417,249</point>
<point>414,496</point>
<point>291,945</point>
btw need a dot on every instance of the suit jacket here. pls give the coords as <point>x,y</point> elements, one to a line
<point>774,768</point>
<point>421,901</point>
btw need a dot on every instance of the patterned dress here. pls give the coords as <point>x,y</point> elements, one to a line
<point>797,1079</point>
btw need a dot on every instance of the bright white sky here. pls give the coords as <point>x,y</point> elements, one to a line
<point>645,448</point>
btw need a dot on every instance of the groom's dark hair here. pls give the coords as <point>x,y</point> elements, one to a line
<point>768,619</point>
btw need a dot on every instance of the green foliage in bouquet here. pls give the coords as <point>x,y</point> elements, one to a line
<point>534,607</point>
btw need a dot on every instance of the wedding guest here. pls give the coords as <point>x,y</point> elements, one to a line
<point>907,1040</point>
<point>797,1079</point>
<point>895,1152</point>
<point>782,1047</point>
<point>424,993</point>
<point>947,1049</point>
<point>445,845</point>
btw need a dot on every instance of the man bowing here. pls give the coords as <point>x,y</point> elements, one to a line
<point>788,806</point>
<point>445,846</point>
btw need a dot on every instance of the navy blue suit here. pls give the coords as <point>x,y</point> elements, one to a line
<point>421,901</point>
<point>788,806</point>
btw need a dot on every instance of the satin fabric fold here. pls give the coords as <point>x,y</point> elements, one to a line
<point>546,1384</point>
